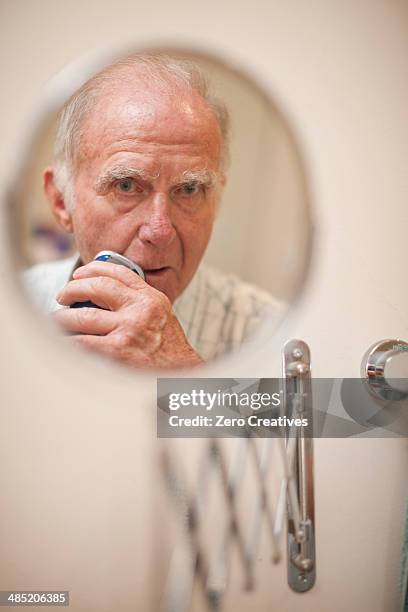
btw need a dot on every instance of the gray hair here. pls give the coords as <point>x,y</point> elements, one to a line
<point>161,70</point>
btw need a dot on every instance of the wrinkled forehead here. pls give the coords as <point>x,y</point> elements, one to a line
<point>138,111</point>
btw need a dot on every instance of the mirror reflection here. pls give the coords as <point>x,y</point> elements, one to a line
<point>185,177</point>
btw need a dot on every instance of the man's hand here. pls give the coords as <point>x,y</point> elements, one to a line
<point>138,325</point>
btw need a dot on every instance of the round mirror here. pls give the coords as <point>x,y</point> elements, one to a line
<point>185,166</point>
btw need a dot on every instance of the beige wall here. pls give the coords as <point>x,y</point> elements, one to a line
<point>78,478</point>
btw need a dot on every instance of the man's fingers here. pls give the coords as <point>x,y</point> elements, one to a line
<point>115,271</point>
<point>86,320</point>
<point>104,292</point>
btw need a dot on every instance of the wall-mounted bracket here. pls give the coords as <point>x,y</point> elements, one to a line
<point>297,403</point>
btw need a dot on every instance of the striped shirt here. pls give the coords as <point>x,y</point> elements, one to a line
<point>217,311</point>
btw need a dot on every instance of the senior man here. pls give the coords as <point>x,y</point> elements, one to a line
<point>139,168</point>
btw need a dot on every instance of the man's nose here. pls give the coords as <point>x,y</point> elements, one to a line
<point>157,228</point>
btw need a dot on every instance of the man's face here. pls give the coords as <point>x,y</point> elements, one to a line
<point>145,182</point>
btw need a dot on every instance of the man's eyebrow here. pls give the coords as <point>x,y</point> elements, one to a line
<point>116,173</point>
<point>205,177</point>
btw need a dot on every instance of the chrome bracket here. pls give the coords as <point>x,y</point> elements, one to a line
<point>297,404</point>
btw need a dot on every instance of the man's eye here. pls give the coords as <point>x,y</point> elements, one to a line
<point>189,189</point>
<point>127,185</point>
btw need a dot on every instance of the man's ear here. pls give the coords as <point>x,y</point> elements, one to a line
<point>59,206</point>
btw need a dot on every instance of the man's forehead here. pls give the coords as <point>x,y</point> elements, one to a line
<point>131,106</point>
<point>143,121</point>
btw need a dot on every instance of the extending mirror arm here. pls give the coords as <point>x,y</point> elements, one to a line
<point>297,404</point>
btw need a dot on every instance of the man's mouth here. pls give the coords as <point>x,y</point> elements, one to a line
<point>156,271</point>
